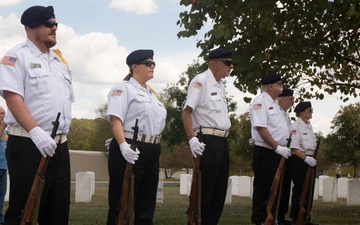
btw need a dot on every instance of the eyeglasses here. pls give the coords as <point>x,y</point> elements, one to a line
<point>148,63</point>
<point>50,24</point>
<point>227,62</point>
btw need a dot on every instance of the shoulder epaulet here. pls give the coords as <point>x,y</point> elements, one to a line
<point>58,53</point>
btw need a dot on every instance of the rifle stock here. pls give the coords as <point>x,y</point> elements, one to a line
<point>126,212</point>
<point>274,190</point>
<point>194,211</point>
<point>31,210</point>
<point>306,190</point>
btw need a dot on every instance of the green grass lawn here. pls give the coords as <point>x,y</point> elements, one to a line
<point>172,211</point>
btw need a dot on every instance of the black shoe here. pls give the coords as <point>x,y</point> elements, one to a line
<point>284,222</point>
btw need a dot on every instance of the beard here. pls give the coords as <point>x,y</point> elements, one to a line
<point>50,42</point>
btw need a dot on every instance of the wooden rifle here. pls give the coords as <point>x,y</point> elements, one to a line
<point>194,210</point>
<point>126,212</point>
<point>307,190</point>
<point>275,189</point>
<point>31,210</point>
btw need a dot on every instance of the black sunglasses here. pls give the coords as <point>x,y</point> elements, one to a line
<point>148,63</point>
<point>227,62</point>
<point>50,24</point>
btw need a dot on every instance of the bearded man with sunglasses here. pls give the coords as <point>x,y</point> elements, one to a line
<point>206,108</point>
<point>36,84</point>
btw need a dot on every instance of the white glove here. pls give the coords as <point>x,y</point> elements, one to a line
<point>284,151</point>
<point>107,143</point>
<point>310,161</point>
<point>251,142</point>
<point>196,147</point>
<point>43,141</point>
<point>130,155</point>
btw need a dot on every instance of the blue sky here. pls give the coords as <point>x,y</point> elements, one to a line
<point>95,36</point>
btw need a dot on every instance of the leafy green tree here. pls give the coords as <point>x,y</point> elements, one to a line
<point>90,134</point>
<point>103,129</point>
<point>175,159</point>
<point>314,44</point>
<point>241,150</point>
<point>174,96</point>
<point>343,143</point>
<point>81,134</point>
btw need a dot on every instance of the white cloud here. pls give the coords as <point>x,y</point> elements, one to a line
<point>97,62</point>
<point>4,3</point>
<point>11,31</point>
<point>136,6</point>
<point>94,58</point>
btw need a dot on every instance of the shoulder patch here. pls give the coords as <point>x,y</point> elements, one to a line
<point>257,106</point>
<point>9,60</point>
<point>116,92</point>
<point>197,85</point>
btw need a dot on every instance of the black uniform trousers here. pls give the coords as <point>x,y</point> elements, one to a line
<point>146,173</point>
<point>265,165</point>
<point>285,190</point>
<point>23,159</point>
<point>298,173</point>
<point>214,167</point>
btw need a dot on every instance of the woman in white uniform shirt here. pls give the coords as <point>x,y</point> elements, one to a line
<point>303,145</point>
<point>129,100</point>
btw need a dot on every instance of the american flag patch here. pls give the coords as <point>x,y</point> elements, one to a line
<point>292,131</point>
<point>116,92</point>
<point>198,85</point>
<point>257,106</point>
<point>9,60</point>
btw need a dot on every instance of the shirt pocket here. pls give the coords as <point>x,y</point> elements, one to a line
<point>308,142</point>
<point>274,117</point>
<point>216,103</point>
<point>160,110</point>
<point>143,102</point>
<point>68,84</point>
<point>39,81</point>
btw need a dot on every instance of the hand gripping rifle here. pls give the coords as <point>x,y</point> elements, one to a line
<point>31,210</point>
<point>307,191</point>
<point>126,212</point>
<point>194,210</point>
<point>275,189</point>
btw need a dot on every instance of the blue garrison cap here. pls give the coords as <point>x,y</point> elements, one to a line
<point>36,15</point>
<point>270,79</point>
<point>302,106</point>
<point>139,56</point>
<point>287,92</point>
<point>219,53</point>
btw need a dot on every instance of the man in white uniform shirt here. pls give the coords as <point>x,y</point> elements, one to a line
<point>36,84</point>
<point>285,101</point>
<point>206,106</point>
<point>270,132</point>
